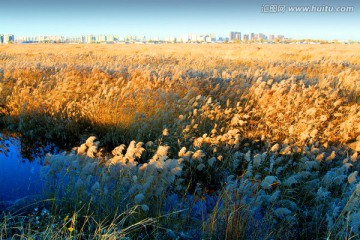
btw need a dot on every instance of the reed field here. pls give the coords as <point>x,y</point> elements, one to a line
<point>186,141</point>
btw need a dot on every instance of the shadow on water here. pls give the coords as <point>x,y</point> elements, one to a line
<point>38,131</point>
<point>19,178</point>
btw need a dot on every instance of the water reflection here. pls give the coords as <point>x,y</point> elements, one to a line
<point>19,178</point>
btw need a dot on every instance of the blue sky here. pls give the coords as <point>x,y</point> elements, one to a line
<point>175,18</point>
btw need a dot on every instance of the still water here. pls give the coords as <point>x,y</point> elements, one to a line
<point>19,178</point>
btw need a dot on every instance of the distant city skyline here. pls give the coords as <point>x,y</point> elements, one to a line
<point>160,18</point>
<point>111,38</point>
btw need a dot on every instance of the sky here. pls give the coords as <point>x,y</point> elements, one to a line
<point>162,18</point>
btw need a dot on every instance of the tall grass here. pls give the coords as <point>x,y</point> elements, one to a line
<point>215,141</point>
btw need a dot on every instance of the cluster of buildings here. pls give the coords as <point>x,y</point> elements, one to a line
<point>255,37</point>
<point>108,39</point>
<point>7,38</point>
<point>194,38</point>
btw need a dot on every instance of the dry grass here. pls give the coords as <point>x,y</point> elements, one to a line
<point>114,87</point>
<point>270,130</point>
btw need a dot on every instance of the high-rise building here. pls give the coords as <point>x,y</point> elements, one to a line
<point>193,37</point>
<point>201,38</point>
<point>238,36</point>
<point>185,38</point>
<point>130,38</point>
<point>252,36</point>
<point>281,37</point>
<point>110,38</point>
<point>246,37</point>
<point>233,36</point>
<point>208,39</point>
<point>89,38</point>
<point>271,37</point>
<point>261,37</point>
<point>1,38</point>
<point>8,38</point>
<point>101,38</point>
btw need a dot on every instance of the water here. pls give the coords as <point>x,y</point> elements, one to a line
<point>19,178</point>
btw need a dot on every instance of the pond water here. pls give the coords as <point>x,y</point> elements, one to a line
<point>19,177</point>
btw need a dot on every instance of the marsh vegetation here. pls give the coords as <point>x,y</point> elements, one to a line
<point>187,141</point>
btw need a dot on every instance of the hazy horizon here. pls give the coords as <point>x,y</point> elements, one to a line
<point>176,18</point>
